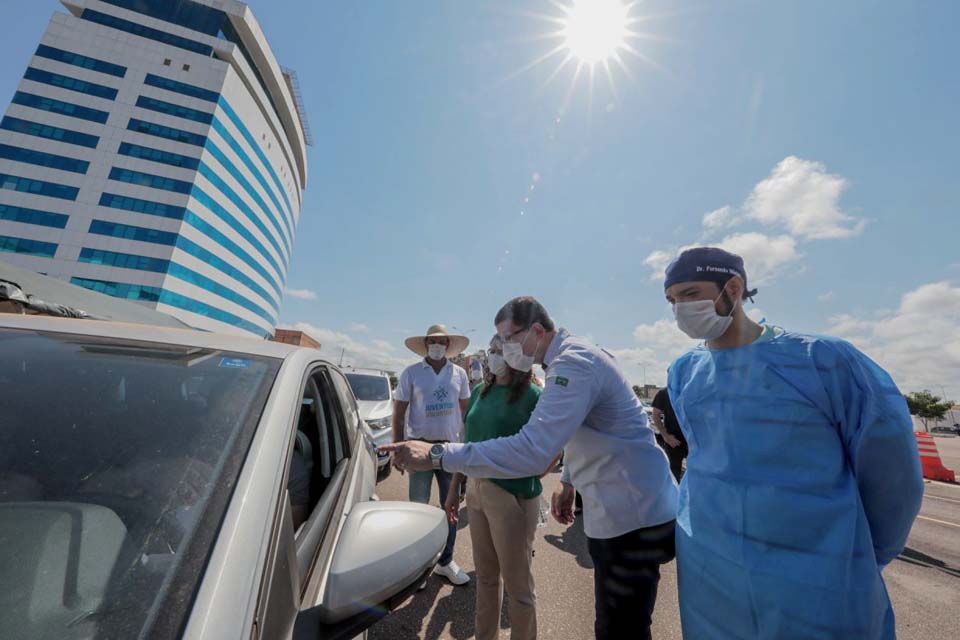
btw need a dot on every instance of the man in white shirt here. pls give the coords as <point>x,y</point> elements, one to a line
<point>430,400</point>
<point>589,408</point>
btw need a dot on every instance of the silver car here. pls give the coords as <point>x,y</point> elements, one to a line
<point>166,483</point>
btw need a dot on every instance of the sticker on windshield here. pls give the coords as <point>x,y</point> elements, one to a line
<point>234,363</point>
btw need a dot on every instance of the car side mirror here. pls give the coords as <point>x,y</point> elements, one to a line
<point>384,552</point>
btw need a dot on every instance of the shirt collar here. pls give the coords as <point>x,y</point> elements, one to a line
<point>427,365</point>
<point>554,349</point>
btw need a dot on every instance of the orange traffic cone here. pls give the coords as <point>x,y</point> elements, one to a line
<point>933,468</point>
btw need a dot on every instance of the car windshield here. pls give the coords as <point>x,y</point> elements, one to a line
<point>367,387</point>
<point>116,460</point>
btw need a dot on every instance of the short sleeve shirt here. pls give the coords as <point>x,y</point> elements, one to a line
<point>434,411</point>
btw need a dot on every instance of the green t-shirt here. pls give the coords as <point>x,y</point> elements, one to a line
<point>493,417</point>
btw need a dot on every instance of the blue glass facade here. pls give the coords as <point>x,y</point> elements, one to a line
<point>78,60</point>
<point>146,32</point>
<point>49,132</point>
<point>33,216</point>
<point>27,246</point>
<point>130,232</point>
<point>58,106</point>
<point>179,135</point>
<point>181,87</point>
<point>72,84</point>
<point>156,155</point>
<point>120,289</point>
<point>149,180</point>
<point>41,159</point>
<point>145,102</point>
<point>39,187</point>
<point>116,201</point>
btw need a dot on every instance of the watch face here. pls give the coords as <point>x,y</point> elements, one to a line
<point>436,450</point>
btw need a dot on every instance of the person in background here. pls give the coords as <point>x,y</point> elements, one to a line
<point>503,513</point>
<point>430,400</point>
<point>803,477</point>
<point>589,410</point>
<point>669,435</point>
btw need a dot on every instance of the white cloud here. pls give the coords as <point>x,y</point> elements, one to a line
<point>375,354</point>
<point>826,297</point>
<point>802,196</point>
<point>359,327</point>
<point>301,294</point>
<point>721,218</point>
<point>658,261</point>
<point>764,256</point>
<point>918,343</point>
<point>657,345</point>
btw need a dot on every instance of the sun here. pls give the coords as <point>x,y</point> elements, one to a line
<point>595,30</point>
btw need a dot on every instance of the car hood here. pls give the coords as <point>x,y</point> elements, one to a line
<point>374,409</point>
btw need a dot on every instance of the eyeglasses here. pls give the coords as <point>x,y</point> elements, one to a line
<point>510,337</point>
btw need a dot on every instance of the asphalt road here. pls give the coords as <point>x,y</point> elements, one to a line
<point>924,583</point>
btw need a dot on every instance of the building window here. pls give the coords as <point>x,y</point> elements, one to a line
<point>186,67</point>
<point>174,110</point>
<point>149,180</point>
<point>57,106</point>
<point>119,289</point>
<point>184,13</point>
<point>181,87</point>
<point>115,201</point>
<point>78,60</point>
<point>167,62</point>
<point>28,247</point>
<point>39,158</point>
<point>123,260</point>
<point>72,84</point>
<point>146,32</point>
<point>49,132</point>
<point>39,187</point>
<point>156,155</point>
<point>188,246</point>
<point>151,129</point>
<point>32,216</point>
<point>130,232</point>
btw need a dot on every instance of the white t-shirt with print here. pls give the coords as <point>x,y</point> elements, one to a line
<point>434,412</point>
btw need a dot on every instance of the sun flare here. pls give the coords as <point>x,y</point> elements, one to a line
<point>594,30</point>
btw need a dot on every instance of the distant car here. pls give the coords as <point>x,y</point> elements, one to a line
<point>647,409</point>
<point>153,497</point>
<point>954,430</point>
<point>375,401</point>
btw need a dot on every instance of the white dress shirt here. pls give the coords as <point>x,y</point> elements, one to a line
<point>589,409</point>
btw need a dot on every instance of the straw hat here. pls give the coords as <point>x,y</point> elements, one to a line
<point>417,344</point>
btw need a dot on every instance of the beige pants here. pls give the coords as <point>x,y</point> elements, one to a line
<point>502,527</point>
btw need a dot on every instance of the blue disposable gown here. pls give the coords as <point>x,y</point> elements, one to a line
<point>802,482</point>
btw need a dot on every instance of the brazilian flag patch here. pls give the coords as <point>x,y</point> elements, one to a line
<point>561,381</point>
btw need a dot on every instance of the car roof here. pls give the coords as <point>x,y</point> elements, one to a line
<point>151,333</point>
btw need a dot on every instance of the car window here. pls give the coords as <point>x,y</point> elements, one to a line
<point>115,460</point>
<point>368,387</point>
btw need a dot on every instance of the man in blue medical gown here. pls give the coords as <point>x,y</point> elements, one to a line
<point>803,477</point>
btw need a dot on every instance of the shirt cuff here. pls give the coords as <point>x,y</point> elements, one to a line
<point>453,457</point>
<point>565,474</point>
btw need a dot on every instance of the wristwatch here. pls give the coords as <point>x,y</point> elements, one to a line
<point>436,456</point>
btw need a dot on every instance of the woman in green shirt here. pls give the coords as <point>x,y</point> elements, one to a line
<point>503,513</point>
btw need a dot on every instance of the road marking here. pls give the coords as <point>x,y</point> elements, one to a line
<point>949,524</point>
<point>942,498</point>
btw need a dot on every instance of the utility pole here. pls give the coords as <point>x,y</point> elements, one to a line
<point>342,350</point>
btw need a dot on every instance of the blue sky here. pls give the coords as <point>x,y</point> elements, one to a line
<point>828,130</point>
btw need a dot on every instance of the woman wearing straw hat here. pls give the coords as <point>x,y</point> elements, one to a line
<point>431,398</point>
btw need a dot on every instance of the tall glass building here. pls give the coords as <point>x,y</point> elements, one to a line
<point>156,151</point>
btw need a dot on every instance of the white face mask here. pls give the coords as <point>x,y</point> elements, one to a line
<point>497,365</point>
<point>436,351</point>
<point>515,357</point>
<point>700,320</point>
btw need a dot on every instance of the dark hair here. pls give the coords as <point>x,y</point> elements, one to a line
<point>524,312</point>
